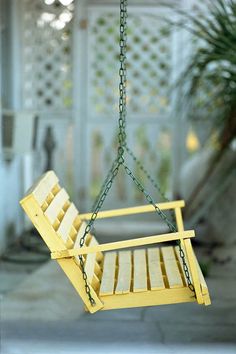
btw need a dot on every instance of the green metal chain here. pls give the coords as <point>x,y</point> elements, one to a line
<point>120,161</point>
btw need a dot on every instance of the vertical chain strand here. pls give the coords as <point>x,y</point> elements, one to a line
<point>123,79</point>
<point>121,141</point>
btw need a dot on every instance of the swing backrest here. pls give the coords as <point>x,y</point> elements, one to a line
<point>58,222</point>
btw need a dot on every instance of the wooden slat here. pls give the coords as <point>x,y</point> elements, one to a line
<point>171,267</point>
<point>204,288</point>
<point>140,271</point>
<point>43,187</point>
<point>154,266</point>
<point>56,205</point>
<point>148,240</point>
<point>67,221</point>
<point>181,262</point>
<point>193,270</point>
<point>80,234</point>
<point>134,210</point>
<point>90,262</point>
<point>50,237</point>
<point>149,298</point>
<point>108,276</point>
<point>202,279</point>
<point>99,255</point>
<point>124,272</point>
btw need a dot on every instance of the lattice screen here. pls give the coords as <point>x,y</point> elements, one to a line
<point>149,56</point>
<point>47,41</point>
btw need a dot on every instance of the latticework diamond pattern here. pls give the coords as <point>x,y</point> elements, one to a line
<point>149,60</point>
<point>47,71</point>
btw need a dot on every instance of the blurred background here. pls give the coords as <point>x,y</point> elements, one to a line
<point>59,110</point>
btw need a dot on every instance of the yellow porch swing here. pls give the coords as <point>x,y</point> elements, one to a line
<point>108,276</point>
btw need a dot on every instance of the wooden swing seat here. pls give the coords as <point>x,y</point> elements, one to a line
<point>117,278</point>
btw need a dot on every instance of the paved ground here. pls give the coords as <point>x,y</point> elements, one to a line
<point>41,313</point>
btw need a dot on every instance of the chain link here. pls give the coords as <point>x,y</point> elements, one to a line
<point>123,79</point>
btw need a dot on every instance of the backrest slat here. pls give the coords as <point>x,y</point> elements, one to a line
<point>93,260</point>
<point>44,186</point>
<point>67,222</point>
<point>59,224</point>
<point>56,205</point>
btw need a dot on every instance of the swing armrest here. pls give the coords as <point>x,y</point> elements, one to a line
<point>149,240</point>
<point>134,210</point>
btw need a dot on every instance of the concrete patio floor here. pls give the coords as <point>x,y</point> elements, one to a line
<point>41,313</point>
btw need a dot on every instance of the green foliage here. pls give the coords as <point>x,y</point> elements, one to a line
<point>212,66</point>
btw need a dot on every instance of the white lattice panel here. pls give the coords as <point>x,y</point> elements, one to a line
<point>149,63</point>
<point>47,68</point>
<point>149,75</point>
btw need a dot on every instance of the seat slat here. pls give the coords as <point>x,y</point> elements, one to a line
<point>90,261</point>
<point>154,266</point>
<point>67,222</point>
<point>172,271</point>
<point>124,273</point>
<point>56,205</point>
<point>108,276</point>
<point>181,263</point>
<point>43,187</point>
<point>140,271</point>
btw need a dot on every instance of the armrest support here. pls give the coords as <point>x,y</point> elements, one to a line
<point>149,240</point>
<point>134,210</point>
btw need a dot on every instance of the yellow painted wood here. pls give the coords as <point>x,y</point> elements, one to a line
<point>54,242</point>
<point>147,298</point>
<point>43,187</point>
<point>124,272</point>
<point>108,276</point>
<point>201,279</point>
<point>134,210</point>
<point>179,219</point>
<point>140,271</point>
<point>194,271</point>
<point>73,272</point>
<point>203,284</point>
<point>172,271</point>
<point>45,229</point>
<point>56,205</point>
<point>67,222</point>
<point>189,255</point>
<point>44,204</point>
<point>80,233</point>
<point>148,240</point>
<point>154,268</point>
<point>90,262</point>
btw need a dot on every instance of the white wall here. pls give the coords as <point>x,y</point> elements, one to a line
<point>11,219</point>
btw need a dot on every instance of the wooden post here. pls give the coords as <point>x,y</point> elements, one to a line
<point>190,258</point>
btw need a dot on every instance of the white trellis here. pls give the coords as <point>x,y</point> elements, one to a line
<point>151,64</point>
<point>70,77</point>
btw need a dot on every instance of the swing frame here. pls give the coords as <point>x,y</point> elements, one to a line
<point>42,204</point>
